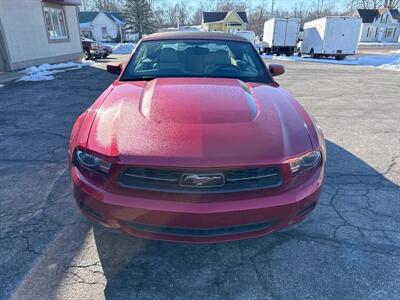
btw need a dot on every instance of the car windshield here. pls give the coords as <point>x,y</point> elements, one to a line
<point>196,58</point>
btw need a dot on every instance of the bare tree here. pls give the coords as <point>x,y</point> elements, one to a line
<point>159,12</point>
<point>183,12</point>
<point>170,15</point>
<point>372,4</point>
<point>107,5</point>
<point>257,18</point>
<point>197,16</point>
<point>227,5</point>
<point>392,4</point>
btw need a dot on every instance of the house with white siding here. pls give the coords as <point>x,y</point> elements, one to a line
<point>34,32</point>
<point>379,25</point>
<point>102,26</point>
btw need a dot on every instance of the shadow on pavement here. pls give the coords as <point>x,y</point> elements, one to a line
<point>348,247</point>
<point>40,227</point>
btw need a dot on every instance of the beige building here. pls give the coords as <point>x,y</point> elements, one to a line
<point>33,32</point>
<point>224,21</point>
<point>379,25</point>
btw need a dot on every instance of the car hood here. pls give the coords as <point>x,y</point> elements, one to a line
<point>199,122</point>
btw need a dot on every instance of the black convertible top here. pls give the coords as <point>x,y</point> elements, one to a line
<point>176,35</point>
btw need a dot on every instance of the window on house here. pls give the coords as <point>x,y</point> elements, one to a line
<point>87,33</point>
<point>104,33</point>
<point>55,23</point>
<point>371,32</point>
<point>389,33</point>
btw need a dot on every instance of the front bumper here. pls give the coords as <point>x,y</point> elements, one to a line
<point>190,222</point>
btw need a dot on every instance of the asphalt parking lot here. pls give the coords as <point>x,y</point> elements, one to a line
<point>348,249</point>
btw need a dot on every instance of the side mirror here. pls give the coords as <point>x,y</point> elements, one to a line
<point>276,70</point>
<point>115,68</point>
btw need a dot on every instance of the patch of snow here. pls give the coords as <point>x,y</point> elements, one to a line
<point>86,25</point>
<point>376,44</point>
<point>87,62</point>
<point>46,72</point>
<point>1,85</point>
<point>121,48</point>
<point>393,66</point>
<point>395,51</point>
<point>388,62</point>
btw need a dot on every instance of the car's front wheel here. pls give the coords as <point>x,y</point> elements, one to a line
<point>340,57</point>
<point>86,54</point>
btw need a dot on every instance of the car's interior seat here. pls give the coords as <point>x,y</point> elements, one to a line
<point>168,60</point>
<point>196,59</point>
<point>219,59</point>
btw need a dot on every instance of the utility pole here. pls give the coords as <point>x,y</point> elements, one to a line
<point>272,7</point>
<point>177,15</point>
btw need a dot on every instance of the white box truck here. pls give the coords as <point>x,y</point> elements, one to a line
<point>331,36</point>
<point>280,35</point>
<point>247,34</point>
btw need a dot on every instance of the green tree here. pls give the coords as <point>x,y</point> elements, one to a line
<point>139,17</point>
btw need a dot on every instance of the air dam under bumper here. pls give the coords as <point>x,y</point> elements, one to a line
<point>196,222</point>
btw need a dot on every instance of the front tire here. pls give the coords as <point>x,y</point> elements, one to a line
<point>86,54</point>
<point>340,57</point>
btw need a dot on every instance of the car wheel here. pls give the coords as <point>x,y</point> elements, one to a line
<point>86,54</point>
<point>340,57</point>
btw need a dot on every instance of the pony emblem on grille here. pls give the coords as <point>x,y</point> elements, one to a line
<point>202,180</point>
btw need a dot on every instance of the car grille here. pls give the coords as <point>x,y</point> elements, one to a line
<point>234,180</point>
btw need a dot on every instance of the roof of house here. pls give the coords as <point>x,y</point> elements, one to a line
<point>368,15</point>
<point>116,15</point>
<point>89,16</point>
<point>216,16</point>
<point>176,35</point>
<point>395,14</point>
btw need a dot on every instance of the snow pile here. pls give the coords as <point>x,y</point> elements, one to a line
<point>395,51</point>
<point>46,71</point>
<point>377,60</point>
<point>377,44</point>
<point>387,62</point>
<point>122,48</point>
<point>88,62</point>
<point>394,65</point>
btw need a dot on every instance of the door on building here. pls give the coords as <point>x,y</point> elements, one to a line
<point>380,34</point>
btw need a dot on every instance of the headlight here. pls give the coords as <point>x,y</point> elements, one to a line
<point>91,162</point>
<point>94,46</point>
<point>306,162</point>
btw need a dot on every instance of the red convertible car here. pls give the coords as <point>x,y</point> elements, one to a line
<point>196,142</point>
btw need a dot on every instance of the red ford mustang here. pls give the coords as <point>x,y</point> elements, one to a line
<point>195,142</point>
